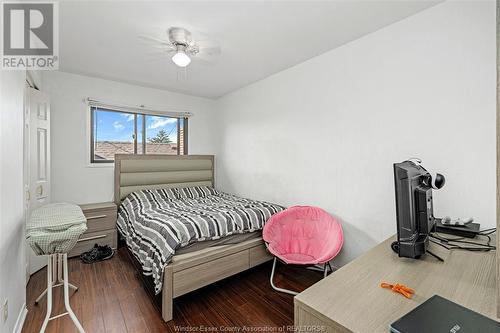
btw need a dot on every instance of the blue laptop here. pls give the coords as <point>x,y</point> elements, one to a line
<point>439,315</point>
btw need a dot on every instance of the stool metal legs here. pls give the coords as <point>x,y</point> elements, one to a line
<point>66,295</point>
<point>49,295</point>
<point>56,270</point>
<point>55,261</point>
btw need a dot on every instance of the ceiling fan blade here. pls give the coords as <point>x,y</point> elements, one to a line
<point>154,39</point>
<point>164,49</point>
<point>199,36</point>
<point>205,59</point>
<point>158,53</point>
<point>203,40</point>
<point>211,51</point>
<point>207,43</point>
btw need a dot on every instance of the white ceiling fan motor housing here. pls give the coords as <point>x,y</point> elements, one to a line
<point>179,36</point>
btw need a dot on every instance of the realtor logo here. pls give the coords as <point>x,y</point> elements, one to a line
<point>30,35</point>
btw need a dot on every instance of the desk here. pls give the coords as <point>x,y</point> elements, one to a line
<point>351,300</point>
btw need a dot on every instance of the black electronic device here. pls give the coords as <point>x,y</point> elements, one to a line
<point>437,314</point>
<point>414,210</point>
<point>469,230</point>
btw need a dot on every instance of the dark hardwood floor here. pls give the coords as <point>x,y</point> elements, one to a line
<point>111,298</point>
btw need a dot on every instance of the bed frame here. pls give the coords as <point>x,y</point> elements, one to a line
<point>190,271</point>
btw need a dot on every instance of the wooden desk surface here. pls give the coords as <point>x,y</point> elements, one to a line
<point>351,300</point>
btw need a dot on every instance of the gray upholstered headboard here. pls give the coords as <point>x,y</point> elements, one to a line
<point>138,172</point>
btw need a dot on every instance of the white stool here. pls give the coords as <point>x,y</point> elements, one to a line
<point>54,264</point>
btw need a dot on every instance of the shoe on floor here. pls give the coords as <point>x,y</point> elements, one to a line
<point>97,253</point>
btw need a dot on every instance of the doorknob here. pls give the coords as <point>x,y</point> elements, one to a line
<point>39,190</point>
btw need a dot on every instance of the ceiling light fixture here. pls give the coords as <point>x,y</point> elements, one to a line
<point>180,58</point>
<point>183,49</point>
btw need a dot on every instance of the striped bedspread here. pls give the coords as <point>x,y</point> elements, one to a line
<point>157,222</point>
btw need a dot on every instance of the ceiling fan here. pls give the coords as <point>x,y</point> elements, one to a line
<point>183,48</point>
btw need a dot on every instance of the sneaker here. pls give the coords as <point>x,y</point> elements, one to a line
<point>97,253</point>
<point>105,252</point>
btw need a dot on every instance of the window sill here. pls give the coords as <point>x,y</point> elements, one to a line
<point>100,165</point>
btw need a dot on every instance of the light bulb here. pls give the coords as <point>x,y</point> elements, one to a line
<point>181,59</point>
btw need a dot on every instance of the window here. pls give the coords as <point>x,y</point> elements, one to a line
<point>116,132</point>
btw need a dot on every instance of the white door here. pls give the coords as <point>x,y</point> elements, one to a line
<point>37,155</point>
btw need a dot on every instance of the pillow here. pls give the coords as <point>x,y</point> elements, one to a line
<point>196,192</point>
<point>168,193</point>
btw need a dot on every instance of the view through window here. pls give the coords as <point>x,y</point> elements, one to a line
<point>117,132</point>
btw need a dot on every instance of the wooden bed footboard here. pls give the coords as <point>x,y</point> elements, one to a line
<point>190,271</point>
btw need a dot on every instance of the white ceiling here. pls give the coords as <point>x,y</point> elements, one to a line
<point>100,38</point>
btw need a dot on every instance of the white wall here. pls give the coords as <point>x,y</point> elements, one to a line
<point>326,132</point>
<point>12,244</point>
<point>73,180</point>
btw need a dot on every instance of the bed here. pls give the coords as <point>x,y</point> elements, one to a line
<point>210,235</point>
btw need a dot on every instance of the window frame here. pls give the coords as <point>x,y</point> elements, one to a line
<point>92,110</point>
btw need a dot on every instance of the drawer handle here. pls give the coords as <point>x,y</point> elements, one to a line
<point>91,238</point>
<point>96,217</point>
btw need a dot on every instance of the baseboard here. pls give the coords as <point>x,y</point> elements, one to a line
<point>20,319</point>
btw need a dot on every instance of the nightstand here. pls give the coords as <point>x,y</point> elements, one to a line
<point>101,227</point>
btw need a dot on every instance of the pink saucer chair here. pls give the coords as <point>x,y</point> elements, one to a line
<point>303,235</point>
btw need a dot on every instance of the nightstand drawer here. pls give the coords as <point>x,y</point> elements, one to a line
<point>100,220</point>
<point>89,239</point>
<point>100,216</point>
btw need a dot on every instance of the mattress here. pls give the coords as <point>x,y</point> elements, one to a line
<point>159,223</point>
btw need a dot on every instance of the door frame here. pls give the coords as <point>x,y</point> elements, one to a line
<point>498,153</point>
<point>33,262</point>
<point>26,142</point>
